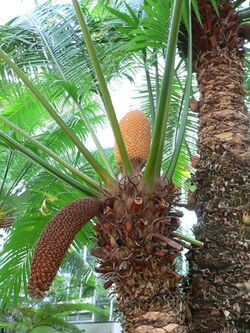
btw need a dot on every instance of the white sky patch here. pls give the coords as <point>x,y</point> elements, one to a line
<point>188,221</point>
<point>12,8</point>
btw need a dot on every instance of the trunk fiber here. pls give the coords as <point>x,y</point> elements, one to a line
<point>148,311</point>
<point>220,272</point>
<point>136,251</point>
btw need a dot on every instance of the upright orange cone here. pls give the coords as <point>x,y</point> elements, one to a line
<point>136,133</point>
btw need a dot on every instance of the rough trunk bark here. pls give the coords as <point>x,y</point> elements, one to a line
<point>157,312</point>
<point>146,283</point>
<point>220,272</point>
<point>136,251</point>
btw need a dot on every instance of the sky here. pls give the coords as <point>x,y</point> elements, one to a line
<point>12,8</point>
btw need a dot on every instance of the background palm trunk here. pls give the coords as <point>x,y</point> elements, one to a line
<point>219,272</point>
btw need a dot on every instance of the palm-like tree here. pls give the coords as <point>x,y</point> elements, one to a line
<point>220,270</point>
<point>136,228</point>
<point>111,198</point>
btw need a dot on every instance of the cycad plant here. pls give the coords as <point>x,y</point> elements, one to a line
<point>134,202</point>
<point>222,176</point>
<point>136,220</point>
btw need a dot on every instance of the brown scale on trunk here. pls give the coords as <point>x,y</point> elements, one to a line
<point>136,253</point>
<point>219,272</point>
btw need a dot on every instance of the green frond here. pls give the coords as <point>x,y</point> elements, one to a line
<point>153,165</point>
<point>104,90</point>
<point>75,264</point>
<point>98,168</point>
<point>215,6</point>
<point>186,101</point>
<point>58,324</point>
<point>48,25</point>
<point>22,108</point>
<point>238,3</point>
<point>244,15</point>
<point>49,310</point>
<point>44,329</point>
<point>35,158</point>
<point>7,168</point>
<point>46,317</point>
<point>196,10</point>
<point>141,32</point>
<point>51,154</point>
<point>16,256</point>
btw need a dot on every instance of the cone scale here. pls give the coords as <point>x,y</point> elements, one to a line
<point>135,129</point>
<point>55,241</point>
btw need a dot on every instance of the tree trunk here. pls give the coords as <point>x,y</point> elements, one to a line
<point>136,253</point>
<point>147,311</point>
<point>220,272</point>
